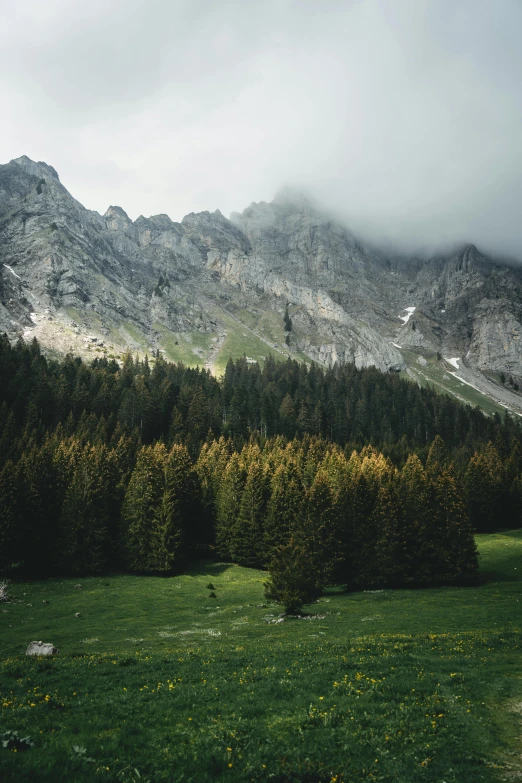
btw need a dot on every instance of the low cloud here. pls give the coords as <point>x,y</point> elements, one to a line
<point>402,117</point>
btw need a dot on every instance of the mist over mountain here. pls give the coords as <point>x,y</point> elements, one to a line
<point>403,119</point>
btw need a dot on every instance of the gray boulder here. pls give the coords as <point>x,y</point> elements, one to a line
<point>42,648</point>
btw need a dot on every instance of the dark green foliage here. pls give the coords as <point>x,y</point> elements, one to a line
<point>142,501</point>
<point>10,520</point>
<point>294,579</point>
<point>378,482</point>
<point>83,531</point>
<point>11,740</point>
<point>287,321</point>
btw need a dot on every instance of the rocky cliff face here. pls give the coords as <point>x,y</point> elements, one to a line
<point>208,287</point>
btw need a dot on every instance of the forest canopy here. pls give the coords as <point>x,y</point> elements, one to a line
<point>346,476</point>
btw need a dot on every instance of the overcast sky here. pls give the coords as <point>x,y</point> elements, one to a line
<point>405,116</point>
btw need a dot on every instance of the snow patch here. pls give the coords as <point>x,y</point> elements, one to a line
<point>397,346</point>
<point>443,311</point>
<point>454,362</point>
<point>458,378</point>
<point>406,318</point>
<point>12,271</point>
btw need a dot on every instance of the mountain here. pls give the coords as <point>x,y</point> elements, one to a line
<point>210,287</point>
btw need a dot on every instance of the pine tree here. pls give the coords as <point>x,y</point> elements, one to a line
<point>40,503</point>
<point>287,321</point>
<point>142,500</point>
<point>283,508</point>
<point>12,532</point>
<point>319,526</point>
<point>246,536</point>
<point>437,457</point>
<point>174,517</point>
<point>287,416</point>
<point>483,489</point>
<point>449,548</point>
<point>394,561</point>
<point>82,544</point>
<point>228,504</point>
<point>293,579</point>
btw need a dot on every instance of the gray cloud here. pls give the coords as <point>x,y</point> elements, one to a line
<point>404,117</point>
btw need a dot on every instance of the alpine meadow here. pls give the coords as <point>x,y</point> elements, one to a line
<point>287,574</point>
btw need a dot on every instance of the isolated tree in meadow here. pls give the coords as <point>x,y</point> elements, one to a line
<point>293,578</point>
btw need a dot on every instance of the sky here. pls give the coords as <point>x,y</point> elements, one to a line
<point>402,117</point>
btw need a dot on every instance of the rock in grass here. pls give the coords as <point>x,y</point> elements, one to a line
<point>42,648</point>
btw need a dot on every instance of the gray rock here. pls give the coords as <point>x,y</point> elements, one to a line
<point>45,649</point>
<point>133,284</point>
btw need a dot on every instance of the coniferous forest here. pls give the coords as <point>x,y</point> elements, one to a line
<point>341,476</point>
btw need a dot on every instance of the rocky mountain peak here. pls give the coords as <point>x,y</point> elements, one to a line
<point>208,286</point>
<point>116,219</point>
<point>37,169</point>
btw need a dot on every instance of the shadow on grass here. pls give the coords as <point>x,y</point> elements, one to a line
<point>207,568</point>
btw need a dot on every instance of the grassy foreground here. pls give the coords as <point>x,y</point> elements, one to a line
<point>156,681</point>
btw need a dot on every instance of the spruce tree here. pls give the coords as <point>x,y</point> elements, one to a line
<point>12,531</point>
<point>82,542</point>
<point>228,504</point>
<point>174,519</point>
<point>142,500</point>
<point>293,579</point>
<point>284,506</point>
<point>246,536</point>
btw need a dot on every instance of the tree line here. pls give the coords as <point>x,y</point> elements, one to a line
<point>90,480</point>
<point>170,402</point>
<point>73,507</point>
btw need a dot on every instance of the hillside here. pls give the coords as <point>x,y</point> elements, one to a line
<point>208,288</point>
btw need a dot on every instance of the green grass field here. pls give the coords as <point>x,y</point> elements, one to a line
<point>156,681</point>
